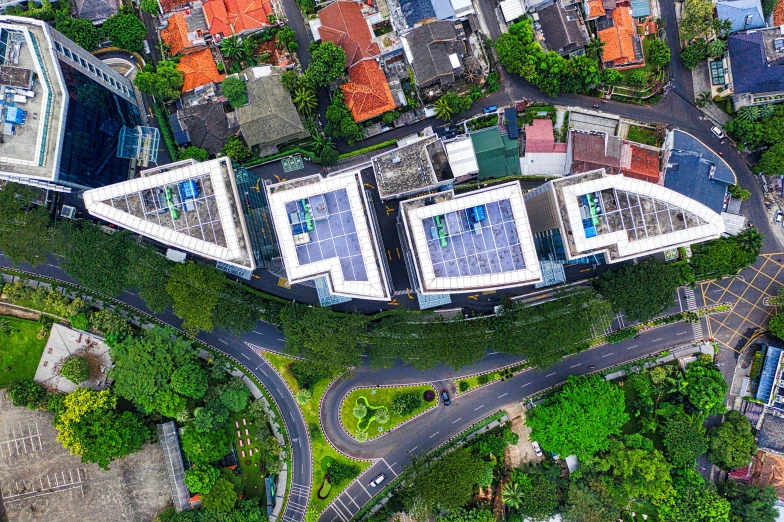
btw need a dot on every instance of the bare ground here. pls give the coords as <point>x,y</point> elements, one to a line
<point>523,451</point>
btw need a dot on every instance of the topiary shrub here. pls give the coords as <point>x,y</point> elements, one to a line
<point>429,395</point>
<point>484,378</point>
<point>80,321</point>
<point>76,369</point>
<point>462,386</point>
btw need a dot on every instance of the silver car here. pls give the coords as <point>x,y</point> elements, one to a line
<point>377,481</point>
<point>537,448</point>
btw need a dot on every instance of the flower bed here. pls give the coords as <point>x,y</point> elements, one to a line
<point>374,401</point>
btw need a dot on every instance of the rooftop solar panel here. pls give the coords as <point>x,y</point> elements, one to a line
<point>324,228</point>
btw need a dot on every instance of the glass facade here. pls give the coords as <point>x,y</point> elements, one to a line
<point>93,123</point>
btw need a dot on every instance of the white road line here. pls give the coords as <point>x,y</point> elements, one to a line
<point>682,333</point>
<point>224,342</point>
<point>461,418</point>
<point>248,358</point>
<point>282,340</point>
<point>607,354</point>
<point>254,331</point>
<point>635,346</point>
<point>549,375</point>
<point>292,416</point>
<point>366,491</point>
<point>390,467</point>
<point>434,434</point>
<point>659,339</point>
<point>576,365</point>
<point>280,392</point>
<point>504,395</point>
<point>479,408</point>
<point>412,449</point>
<point>350,515</point>
<point>524,385</point>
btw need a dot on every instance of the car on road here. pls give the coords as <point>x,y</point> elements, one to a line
<point>718,132</point>
<point>537,448</point>
<point>445,397</point>
<point>490,110</point>
<point>779,216</point>
<point>377,481</point>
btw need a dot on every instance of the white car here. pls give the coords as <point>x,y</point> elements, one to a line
<point>718,132</point>
<point>377,481</point>
<point>537,448</point>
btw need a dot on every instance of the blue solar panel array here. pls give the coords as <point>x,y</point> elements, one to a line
<point>768,374</point>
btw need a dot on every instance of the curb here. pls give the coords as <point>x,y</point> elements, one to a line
<point>499,369</point>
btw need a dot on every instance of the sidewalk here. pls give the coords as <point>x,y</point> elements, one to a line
<point>701,79</point>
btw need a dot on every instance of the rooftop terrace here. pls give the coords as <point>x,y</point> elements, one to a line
<point>412,169</point>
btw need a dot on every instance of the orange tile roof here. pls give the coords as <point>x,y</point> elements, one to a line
<point>228,17</point>
<point>778,13</point>
<point>367,94</point>
<point>643,164</point>
<point>595,9</point>
<point>199,69</point>
<point>176,35</point>
<point>342,23</point>
<point>619,39</point>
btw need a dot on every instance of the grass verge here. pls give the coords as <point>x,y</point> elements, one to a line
<point>376,398</point>
<point>21,349</point>
<point>476,381</point>
<point>321,449</point>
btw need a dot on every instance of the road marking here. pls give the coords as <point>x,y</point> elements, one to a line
<point>363,487</point>
<point>390,467</point>
<point>461,418</point>
<point>479,408</point>
<point>412,449</point>
<point>549,375</point>
<point>224,342</point>
<point>280,392</point>
<point>492,353</point>
<point>682,333</point>
<point>434,434</point>
<point>504,395</point>
<point>659,339</point>
<point>607,354</point>
<point>350,515</point>
<point>248,358</point>
<point>635,346</point>
<point>524,385</point>
<point>254,331</point>
<point>576,365</point>
<point>292,416</point>
<point>282,340</point>
<point>393,464</point>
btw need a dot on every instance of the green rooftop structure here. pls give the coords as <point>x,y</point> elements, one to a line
<point>496,155</point>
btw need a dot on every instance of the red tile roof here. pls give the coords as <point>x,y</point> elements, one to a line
<point>595,9</point>
<point>199,69</point>
<point>176,35</point>
<point>539,137</point>
<point>228,17</point>
<point>342,23</point>
<point>169,6</point>
<point>619,39</point>
<point>640,163</point>
<point>367,94</point>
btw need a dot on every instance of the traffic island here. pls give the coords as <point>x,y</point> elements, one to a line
<point>366,413</point>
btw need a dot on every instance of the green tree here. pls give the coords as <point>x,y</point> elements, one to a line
<point>750,503</point>
<point>195,289</point>
<point>234,89</point>
<point>339,472</point>
<point>236,150</point>
<point>359,411</point>
<point>143,369</point>
<point>658,53</point>
<point>641,291</point>
<point>196,153</point>
<point>579,420</point>
<point>594,48</point>
<point>76,369</point>
<point>738,192</point>
<point>221,498</point>
<point>305,100</point>
<point>203,447</point>
<point>149,276</point>
<point>235,397</point>
<point>212,416</point>
<point>697,19</point>
<point>303,396</point>
<point>703,99</point>
<point>286,36</point>
<point>93,257</point>
<point>684,440</point>
<point>382,415</point>
<point>749,134</point>
<point>636,79</point>
<point>150,6</point>
<point>639,471</point>
<point>694,53</point>
<point>237,310</point>
<point>327,63</point>
<point>126,31</point>
<point>444,485</point>
<point>732,443</point>
<point>750,240</point>
<point>589,503</point>
<point>79,321</point>
<point>612,77</point>
<point>80,30</point>
<point>190,380</point>
<point>705,387</point>
<point>538,495</point>
<point>201,477</point>
<point>92,428</point>
<point>513,494</point>
<point>27,393</point>
<point>723,256</point>
<point>466,515</point>
<point>443,109</point>
<point>772,161</point>
<point>776,325</point>
<point>24,233</point>
<point>717,48</point>
<point>165,83</point>
<point>694,501</point>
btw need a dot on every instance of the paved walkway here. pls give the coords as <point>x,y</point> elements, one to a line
<point>701,78</point>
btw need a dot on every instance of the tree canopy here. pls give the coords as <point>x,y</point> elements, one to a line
<point>203,447</point>
<point>327,63</point>
<point>80,30</point>
<point>24,233</point>
<point>684,440</point>
<point>732,443</point>
<point>580,419</point>
<point>164,83</point>
<point>195,290</point>
<point>126,31</point>
<point>705,387</point>
<point>234,89</point>
<point>445,485</point>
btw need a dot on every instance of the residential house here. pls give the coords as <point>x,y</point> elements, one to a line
<point>180,38</point>
<point>755,72</point>
<point>228,17</point>
<point>595,150</point>
<point>270,118</point>
<point>563,29</point>
<point>417,12</point>
<point>496,155</point>
<point>542,156</point>
<point>367,93</point>
<point>622,45</point>
<point>97,11</point>
<point>594,9</point>
<point>767,469</point>
<point>742,14</point>
<point>436,53</point>
<point>206,122</point>
<point>198,68</point>
<point>641,8</point>
<point>172,6</point>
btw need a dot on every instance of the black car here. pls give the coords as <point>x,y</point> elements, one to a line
<point>445,397</point>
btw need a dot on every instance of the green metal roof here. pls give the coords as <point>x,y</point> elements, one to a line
<point>496,155</point>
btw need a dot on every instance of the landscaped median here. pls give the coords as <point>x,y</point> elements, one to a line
<point>328,463</point>
<point>370,412</point>
<point>467,384</point>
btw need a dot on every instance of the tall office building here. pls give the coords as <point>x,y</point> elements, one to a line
<point>62,111</point>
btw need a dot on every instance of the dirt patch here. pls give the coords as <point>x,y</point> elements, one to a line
<point>522,451</point>
<point>18,312</point>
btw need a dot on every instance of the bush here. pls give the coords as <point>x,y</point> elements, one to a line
<point>27,393</point>
<point>621,335</point>
<point>484,378</point>
<point>236,150</point>
<point>359,411</point>
<point>234,89</point>
<point>382,415</point>
<point>75,369</point>
<point>406,403</point>
<point>339,472</point>
<point>80,321</point>
<point>429,395</point>
<point>196,153</point>
<point>236,398</point>
<point>462,386</point>
<point>303,396</point>
<point>371,148</point>
<point>308,373</point>
<point>314,431</point>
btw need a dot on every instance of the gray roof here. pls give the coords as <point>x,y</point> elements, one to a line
<point>755,67</point>
<point>270,117</point>
<point>208,126</point>
<point>431,45</point>
<point>771,435</point>
<point>562,32</point>
<point>96,11</point>
<point>737,11</point>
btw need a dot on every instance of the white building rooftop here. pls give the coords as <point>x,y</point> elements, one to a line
<point>324,228</point>
<point>187,205</point>
<point>462,157</point>
<point>475,241</point>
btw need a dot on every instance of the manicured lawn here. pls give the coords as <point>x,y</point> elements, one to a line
<point>376,398</point>
<point>648,69</point>
<point>250,469</point>
<point>323,452</point>
<point>21,350</point>
<point>642,135</point>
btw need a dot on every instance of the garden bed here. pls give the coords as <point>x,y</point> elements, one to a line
<point>249,467</point>
<point>322,451</point>
<point>375,398</point>
<point>469,383</point>
<point>21,349</point>
<point>643,135</point>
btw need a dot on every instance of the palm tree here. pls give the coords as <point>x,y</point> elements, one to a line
<point>443,109</point>
<point>594,48</point>
<point>512,495</point>
<point>717,48</point>
<point>305,100</point>
<point>232,47</point>
<point>765,111</point>
<point>703,99</point>
<point>750,240</point>
<point>750,113</point>
<point>320,141</point>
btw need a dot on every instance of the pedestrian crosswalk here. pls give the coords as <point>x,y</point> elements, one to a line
<point>692,306</point>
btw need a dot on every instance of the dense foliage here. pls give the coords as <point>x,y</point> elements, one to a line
<point>76,369</point>
<point>234,89</point>
<point>126,31</point>
<point>340,122</point>
<point>164,83</point>
<point>27,393</point>
<point>326,64</point>
<point>732,443</point>
<point>80,30</point>
<point>726,255</point>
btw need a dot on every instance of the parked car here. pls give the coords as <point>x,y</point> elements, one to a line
<point>490,110</point>
<point>445,397</point>
<point>718,132</point>
<point>377,481</point>
<point>778,217</point>
<point>537,448</point>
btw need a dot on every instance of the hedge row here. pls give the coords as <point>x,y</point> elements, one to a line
<point>378,146</point>
<point>291,152</point>
<point>621,335</point>
<point>165,127</point>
